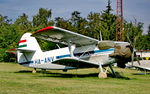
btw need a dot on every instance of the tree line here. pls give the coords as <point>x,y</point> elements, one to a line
<point>91,25</point>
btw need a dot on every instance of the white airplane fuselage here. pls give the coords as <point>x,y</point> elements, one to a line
<point>44,60</point>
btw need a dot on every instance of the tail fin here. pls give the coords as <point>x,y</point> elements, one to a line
<point>27,48</point>
<point>28,43</point>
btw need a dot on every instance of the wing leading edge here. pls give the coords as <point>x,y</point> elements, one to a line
<point>56,34</point>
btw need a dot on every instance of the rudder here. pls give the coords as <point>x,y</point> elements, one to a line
<point>28,48</point>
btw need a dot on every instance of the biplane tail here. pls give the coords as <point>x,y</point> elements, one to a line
<point>28,48</point>
<point>28,43</point>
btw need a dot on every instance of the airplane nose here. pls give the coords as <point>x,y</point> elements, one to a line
<point>122,54</point>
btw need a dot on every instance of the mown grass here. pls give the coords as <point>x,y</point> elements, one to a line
<point>15,79</point>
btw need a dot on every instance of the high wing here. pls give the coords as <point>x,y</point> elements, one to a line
<point>56,34</point>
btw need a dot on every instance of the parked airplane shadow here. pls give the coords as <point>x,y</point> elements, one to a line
<point>63,75</point>
<point>142,73</point>
<point>69,75</point>
<point>24,71</point>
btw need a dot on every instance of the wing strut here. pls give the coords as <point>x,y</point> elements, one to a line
<point>85,52</point>
<point>102,74</point>
<point>114,74</point>
<point>25,57</point>
<point>71,48</point>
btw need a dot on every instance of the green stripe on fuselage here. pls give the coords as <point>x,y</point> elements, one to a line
<point>20,46</point>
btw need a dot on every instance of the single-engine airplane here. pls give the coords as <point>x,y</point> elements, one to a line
<point>81,51</point>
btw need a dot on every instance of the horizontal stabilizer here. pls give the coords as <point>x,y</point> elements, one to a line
<point>25,50</point>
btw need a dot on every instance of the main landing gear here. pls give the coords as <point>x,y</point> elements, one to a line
<point>103,73</point>
<point>34,70</point>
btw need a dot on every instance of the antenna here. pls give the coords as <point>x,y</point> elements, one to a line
<point>100,35</point>
<point>119,21</point>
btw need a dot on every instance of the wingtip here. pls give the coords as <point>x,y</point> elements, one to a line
<point>46,28</point>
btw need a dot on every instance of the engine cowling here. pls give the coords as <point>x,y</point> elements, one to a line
<point>122,52</point>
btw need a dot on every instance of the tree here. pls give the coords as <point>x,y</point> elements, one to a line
<point>75,18</point>
<point>23,22</point>
<point>134,34</point>
<point>148,30</point>
<point>144,44</point>
<point>108,23</point>
<point>60,22</point>
<point>78,23</point>
<point>42,18</point>
<point>4,20</point>
<point>8,37</point>
<point>94,24</point>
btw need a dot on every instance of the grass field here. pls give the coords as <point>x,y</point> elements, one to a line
<point>15,79</point>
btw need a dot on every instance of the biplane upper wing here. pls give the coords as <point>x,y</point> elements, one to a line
<point>56,34</point>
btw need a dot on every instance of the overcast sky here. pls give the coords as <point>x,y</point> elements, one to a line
<point>139,9</point>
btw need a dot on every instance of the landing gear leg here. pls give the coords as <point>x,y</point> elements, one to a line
<point>102,74</point>
<point>114,74</point>
<point>43,71</point>
<point>65,70</point>
<point>34,70</point>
